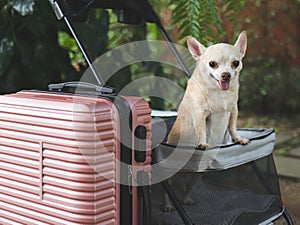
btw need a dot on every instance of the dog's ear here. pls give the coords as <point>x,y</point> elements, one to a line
<point>241,43</point>
<point>195,47</point>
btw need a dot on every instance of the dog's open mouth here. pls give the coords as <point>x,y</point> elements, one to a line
<point>224,84</point>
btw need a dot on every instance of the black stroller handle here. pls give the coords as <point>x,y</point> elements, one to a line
<point>74,8</point>
<point>142,8</point>
<point>62,10</point>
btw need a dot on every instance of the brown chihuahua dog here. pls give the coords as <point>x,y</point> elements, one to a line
<point>209,107</point>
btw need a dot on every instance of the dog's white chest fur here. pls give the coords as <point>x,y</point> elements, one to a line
<point>220,105</point>
<point>216,128</point>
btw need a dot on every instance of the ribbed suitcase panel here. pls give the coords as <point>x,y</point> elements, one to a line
<point>44,177</point>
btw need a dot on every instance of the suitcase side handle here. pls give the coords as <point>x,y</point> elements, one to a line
<point>80,85</point>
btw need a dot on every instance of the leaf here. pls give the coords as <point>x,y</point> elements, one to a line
<point>6,53</point>
<point>201,18</point>
<point>66,41</point>
<point>24,7</point>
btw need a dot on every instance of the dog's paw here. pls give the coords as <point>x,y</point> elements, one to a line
<point>242,141</point>
<point>168,208</point>
<point>203,146</point>
<point>188,201</point>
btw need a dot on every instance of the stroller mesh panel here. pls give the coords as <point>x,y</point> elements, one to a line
<point>245,195</point>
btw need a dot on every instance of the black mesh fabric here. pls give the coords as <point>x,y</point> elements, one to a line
<point>245,195</point>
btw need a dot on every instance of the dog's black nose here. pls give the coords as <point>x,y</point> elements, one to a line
<point>225,76</point>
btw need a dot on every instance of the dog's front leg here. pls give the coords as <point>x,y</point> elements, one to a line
<point>167,205</point>
<point>191,184</point>
<point>232,128</point>
<point>200,130</point>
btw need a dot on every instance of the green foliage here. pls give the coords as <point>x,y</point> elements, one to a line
<point>6,53</point>
<point>202,19</point>
<point>29,54</point>
<point>120,34</point>
<point>269,87</point>
<point>35,47</point>
<point>93,32</point>
<point>281,151</point>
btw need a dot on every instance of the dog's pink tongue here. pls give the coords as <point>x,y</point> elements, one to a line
<point>225,85</point>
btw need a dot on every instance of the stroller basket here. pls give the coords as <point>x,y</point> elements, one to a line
<point>233,184</point>
<point>219,157</point>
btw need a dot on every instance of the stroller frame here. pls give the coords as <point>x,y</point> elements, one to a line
<point>143,10</point>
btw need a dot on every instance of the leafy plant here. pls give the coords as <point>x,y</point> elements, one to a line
<point>33,45</point>
<point>30,56</point>
<point>268,87</point>
<point>204,19</point>
<point>281,151</point>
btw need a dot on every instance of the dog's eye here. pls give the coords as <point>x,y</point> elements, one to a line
<point>235,63</point>
<point>213,64</point>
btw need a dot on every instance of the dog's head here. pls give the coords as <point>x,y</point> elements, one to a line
<point>221,63</point>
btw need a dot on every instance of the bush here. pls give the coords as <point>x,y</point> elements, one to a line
<point>268,87</point>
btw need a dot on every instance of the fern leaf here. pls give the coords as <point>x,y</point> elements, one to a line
<point>200,18</point>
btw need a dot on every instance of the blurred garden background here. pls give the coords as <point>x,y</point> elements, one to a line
<point>36,49</point>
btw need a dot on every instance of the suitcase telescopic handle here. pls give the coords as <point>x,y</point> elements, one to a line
<point>80,85</point>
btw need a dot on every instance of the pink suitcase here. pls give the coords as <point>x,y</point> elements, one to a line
<point>68,159</point>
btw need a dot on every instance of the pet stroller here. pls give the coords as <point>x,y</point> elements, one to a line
<point>237,185</point>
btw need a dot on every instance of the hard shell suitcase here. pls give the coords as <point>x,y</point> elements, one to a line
<point>69,159</point>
